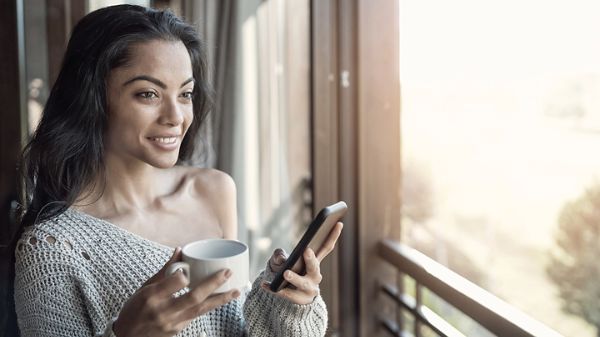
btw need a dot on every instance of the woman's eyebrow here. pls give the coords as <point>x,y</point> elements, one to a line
<point>154,80</point>
<point>191,79</point>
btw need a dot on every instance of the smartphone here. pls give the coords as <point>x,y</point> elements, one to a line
<point>314,237</point>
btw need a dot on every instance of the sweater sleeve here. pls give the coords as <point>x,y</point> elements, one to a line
<point>267,314</point>
<point>48,297</point>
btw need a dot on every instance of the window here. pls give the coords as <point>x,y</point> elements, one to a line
<point>500,126</point>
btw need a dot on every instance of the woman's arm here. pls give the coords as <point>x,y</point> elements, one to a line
<point>267,314</point>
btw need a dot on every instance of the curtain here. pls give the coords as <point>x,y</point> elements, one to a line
<point>259,131</point>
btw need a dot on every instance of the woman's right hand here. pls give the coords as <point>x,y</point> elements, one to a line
<point>152,310</point>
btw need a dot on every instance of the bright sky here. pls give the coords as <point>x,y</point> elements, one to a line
<point>498,38</point>
<point>478,78</point>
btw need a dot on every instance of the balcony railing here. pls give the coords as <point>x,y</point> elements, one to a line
<point>495,315</point>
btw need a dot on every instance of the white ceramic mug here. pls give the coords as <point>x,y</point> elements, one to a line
<point>204,258</point>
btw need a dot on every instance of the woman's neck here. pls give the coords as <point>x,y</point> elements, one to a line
<point>128,187</point>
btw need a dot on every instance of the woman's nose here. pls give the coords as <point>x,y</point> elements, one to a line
<point>171,113</point>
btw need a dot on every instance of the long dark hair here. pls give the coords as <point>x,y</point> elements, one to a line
<point>66,153</point>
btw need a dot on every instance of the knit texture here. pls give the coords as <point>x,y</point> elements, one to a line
<point>74,272</point>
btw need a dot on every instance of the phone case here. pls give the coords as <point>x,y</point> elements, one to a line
<point>313,238</point>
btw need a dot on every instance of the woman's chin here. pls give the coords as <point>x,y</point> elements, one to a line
<point>163,163</point>
<point>166,165</point>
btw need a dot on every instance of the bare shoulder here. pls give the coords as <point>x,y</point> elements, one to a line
<point>211,180</point>
<point>218,189</point>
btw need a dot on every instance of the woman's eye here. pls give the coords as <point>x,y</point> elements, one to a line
<point>187,95</point>
<point>147,95</point>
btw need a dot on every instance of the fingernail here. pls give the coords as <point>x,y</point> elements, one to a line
<point>288,274</point>
<point>227,273</point>
<point>179,273</point>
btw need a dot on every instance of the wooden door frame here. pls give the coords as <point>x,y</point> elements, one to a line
<point>62,15</point>
<point>12,114</point>
<point>356,149</point>
<point>12,96</point>
<point>325,141</point>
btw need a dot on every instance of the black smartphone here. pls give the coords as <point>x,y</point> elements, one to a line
<point>313,238</point>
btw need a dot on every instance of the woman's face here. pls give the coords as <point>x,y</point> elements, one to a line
<point>150,104</point>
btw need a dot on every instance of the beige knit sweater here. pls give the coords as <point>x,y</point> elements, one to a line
<point>75,271</point>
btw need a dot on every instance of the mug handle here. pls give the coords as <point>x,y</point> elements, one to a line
<point>184,266</point>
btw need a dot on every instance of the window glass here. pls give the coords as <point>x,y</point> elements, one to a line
<point>501,125</point>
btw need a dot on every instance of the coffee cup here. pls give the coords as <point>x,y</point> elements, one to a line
<point>202,259</point>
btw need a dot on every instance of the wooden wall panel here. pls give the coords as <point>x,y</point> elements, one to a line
<point>349,286</point>
<point>379,147</point>
<point>324,125</point>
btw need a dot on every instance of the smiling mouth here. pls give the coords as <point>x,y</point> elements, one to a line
<point>164,140</point>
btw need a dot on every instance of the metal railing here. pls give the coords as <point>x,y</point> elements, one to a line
<point>495,315</point>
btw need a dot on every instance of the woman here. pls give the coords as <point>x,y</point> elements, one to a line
<point>106,200</point>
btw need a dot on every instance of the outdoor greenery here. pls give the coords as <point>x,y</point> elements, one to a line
<point>574,266</point>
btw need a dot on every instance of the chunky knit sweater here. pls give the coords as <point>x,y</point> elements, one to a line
<point>75,271</point>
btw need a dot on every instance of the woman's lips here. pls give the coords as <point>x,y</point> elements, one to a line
<point>167,143</point>
<point>164,140</point>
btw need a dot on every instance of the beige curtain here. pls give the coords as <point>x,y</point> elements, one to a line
<point>259,133</point>
<point>215,21</point>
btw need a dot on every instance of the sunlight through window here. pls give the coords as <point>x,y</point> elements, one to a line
<point>500,127</point>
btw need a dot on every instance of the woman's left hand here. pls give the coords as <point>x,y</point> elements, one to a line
<point>305,287</point>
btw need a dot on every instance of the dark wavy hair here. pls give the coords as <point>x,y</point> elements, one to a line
<point>66,153</point>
